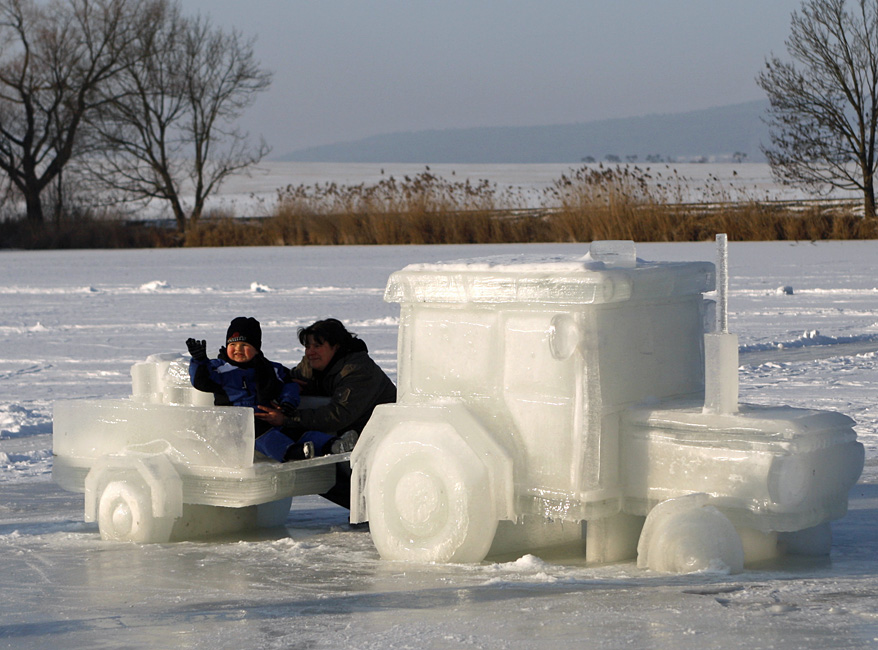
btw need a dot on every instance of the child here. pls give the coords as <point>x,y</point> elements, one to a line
<point>242,376</point>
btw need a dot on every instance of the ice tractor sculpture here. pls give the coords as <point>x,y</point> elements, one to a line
<point>538,397</point>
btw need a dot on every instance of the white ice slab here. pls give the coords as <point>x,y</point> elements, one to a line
<point>164,379</point>
<point>193,435</point>
<point>516,280</point>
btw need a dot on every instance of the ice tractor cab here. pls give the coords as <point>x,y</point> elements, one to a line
<point>538,394</point>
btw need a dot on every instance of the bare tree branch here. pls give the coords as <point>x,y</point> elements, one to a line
<point>55,56</point>
<point>824,105</point>
<point>167,126</point>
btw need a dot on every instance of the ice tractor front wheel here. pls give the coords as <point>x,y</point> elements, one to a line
<point>430,499</point>
<point>125,513</point>
<point>688,534</point>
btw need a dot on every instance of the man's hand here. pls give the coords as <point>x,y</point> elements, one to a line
<point>274,416</point>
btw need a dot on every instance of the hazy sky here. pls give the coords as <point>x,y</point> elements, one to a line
<point>347,69</point>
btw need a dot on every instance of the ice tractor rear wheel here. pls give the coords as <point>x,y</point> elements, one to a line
<point>125,513</point>
<point>429,498</point>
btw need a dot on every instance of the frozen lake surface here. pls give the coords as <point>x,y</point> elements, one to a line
<point>75,321</point>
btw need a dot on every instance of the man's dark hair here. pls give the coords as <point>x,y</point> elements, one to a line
<point>330,331</point>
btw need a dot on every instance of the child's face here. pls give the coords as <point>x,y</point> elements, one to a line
<point>240,352</point>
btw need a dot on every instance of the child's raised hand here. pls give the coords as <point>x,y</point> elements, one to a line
<point>198,349</point>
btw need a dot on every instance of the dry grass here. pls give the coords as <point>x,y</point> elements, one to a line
<point>586,205</point>
<point>741,222</point>
<point>423,209</point>
<point>589,204</point>
<point>628,203</point>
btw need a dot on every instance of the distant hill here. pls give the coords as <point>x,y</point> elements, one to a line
<point>714,135</point>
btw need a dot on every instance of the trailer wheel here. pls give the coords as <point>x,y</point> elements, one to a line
<point>125,513</point>
<point>429,499</point>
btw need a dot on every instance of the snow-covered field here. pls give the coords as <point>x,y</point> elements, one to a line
<point>73,322</point>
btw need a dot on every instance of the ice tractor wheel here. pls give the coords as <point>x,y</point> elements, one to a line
<point>429,499</point>
<point>125,514</point>
<point>688,534</point>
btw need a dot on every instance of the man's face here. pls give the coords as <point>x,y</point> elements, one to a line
<point>319,354</point>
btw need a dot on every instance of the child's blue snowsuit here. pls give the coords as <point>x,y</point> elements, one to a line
<point>250,384</point>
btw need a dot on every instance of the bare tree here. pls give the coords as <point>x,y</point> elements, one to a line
<point>168,127</point>
<point>53,58</point>
<point>823,113</point>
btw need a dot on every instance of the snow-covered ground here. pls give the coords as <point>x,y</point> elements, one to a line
<point>73,322</point>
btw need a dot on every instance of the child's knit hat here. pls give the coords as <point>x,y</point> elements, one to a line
<point>245,330</point>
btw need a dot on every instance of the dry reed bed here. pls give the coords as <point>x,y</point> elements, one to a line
<point>588,204</point>
<point>585,205</point>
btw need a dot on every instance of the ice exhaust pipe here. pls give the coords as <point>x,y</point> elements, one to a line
<point>721,347</point>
